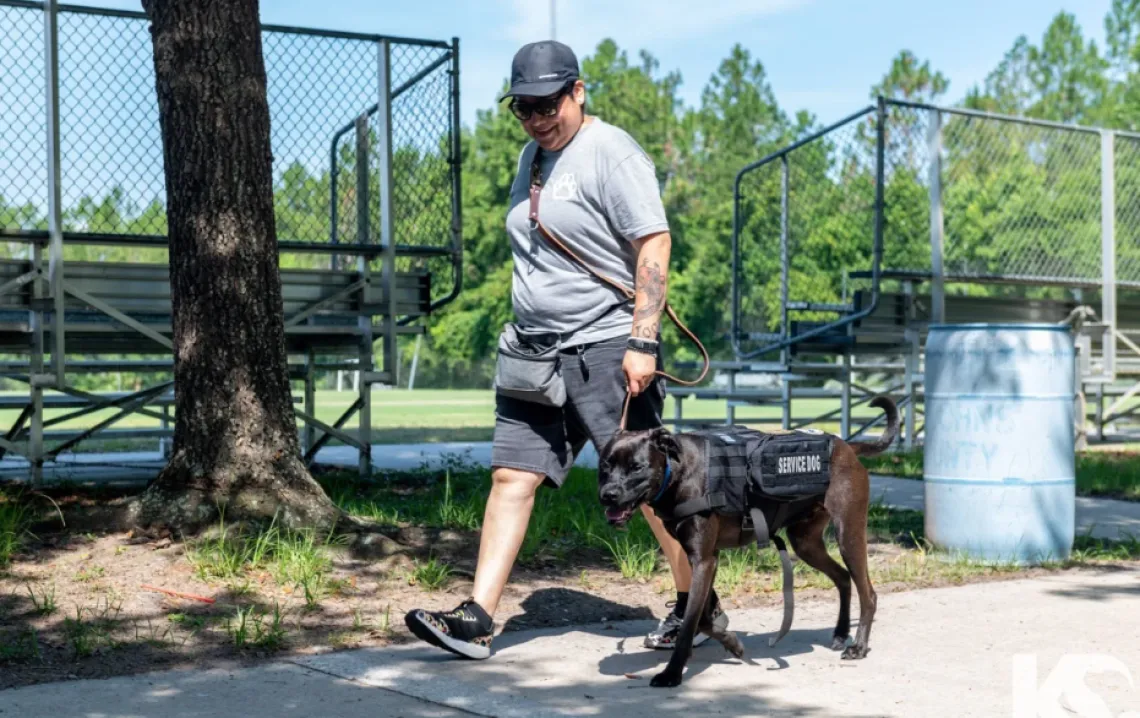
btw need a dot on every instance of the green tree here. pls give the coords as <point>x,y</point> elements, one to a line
<point>911,80</point>
<point>1122,31</point>
<point>738,121</point>
<point>1067,73</point>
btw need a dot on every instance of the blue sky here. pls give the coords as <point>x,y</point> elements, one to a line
<point>820,55</point>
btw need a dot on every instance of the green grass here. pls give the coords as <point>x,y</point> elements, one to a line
<point>568,527</point>
<point>92,628</point>
<point>634,557</point>
<point>904,464</point>
<point>21,647</point>
<point>563,521</point>
<point>253,627</point>
<point>298,559</point>
<point>431,575</point>
<point>43,602</point>
<point>1105,472</point>
<point>15,518</point>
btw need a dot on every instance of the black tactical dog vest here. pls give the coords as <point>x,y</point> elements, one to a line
<point>762,476</point>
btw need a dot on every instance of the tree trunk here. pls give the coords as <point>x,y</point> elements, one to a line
<point>235,438</point>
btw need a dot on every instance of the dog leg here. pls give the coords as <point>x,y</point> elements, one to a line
<point>727,639</point>
<point>852,534</point>
<point>807,540</point>
<point>704,571</point>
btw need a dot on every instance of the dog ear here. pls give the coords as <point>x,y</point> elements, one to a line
<point>666,443</point>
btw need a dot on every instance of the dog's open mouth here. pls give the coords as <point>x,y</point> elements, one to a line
<point>618,516</point>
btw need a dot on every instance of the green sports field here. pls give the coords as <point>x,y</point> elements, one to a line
<point>400,416</point>
<point>431,415</point>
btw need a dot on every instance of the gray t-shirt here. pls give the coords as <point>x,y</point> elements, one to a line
<point>599,193</point>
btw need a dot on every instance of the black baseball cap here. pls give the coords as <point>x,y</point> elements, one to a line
<point>541,68</point>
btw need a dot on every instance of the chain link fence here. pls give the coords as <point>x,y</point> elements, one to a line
<point>1020,201</point>
<point>827,221</point>
<point>23,142</point>
<point>1127,151</point>
<point>111,172</point>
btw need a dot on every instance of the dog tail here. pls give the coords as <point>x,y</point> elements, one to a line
<point>884,442</point>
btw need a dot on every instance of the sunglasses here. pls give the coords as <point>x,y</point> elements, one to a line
<point>545,107</point>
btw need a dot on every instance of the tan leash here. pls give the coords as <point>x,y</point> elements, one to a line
<point>535,195</point>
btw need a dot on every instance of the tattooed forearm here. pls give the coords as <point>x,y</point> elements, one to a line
<point>650,299</point>
<point>650,288</point>
<point>650,284</point>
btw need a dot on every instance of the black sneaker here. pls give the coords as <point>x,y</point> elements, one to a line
<point>466,630</point>
<point>665,637</point>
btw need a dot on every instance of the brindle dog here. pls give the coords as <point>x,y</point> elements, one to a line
<point>632,467</point>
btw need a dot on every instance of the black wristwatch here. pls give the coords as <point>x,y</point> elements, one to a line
<point>645,346</point>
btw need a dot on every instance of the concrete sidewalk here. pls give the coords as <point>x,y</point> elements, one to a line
<point>935,652</point>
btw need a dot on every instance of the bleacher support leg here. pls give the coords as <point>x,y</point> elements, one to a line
<point>911,370</point>
<point>910,335</point>
<point>310,396</point>
<point>1100,412</point>
<point>786,400</point>
<point>845,398</point>
<point>35,384</point>
<point>729,407</point>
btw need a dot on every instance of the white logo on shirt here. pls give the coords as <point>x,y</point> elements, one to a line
<point>565,187</point>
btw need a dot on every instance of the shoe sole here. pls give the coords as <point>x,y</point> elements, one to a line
<point>720,622</point>
<point>426,632</point>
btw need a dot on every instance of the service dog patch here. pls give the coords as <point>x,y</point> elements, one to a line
<point>782,466</point>
<point>801,464</point>
<point>793,465</point>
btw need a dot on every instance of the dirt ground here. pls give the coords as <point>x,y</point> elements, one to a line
<point>109,620</point>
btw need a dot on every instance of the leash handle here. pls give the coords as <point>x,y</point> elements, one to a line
<point>535,196</point>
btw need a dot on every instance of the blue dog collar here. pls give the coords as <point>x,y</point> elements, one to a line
<point>665,483</point>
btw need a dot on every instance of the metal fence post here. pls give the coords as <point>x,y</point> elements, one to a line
<point>387,213</point>
<point>456,176</point>
<point>38,379</point>
<point>364,322</point>
<point>786,387</point>
<point>1108,250</point>
<point>55,201</point>
<point>937,290</point>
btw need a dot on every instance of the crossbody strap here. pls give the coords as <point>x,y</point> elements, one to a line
<point>535,196</point>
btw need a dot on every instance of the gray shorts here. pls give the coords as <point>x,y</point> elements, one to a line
<point>545,439</point>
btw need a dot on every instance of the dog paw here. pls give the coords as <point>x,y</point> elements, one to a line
<point>838,643</point>
<point>855,652</point>
<point>733,645</point>
<point>665,679</point>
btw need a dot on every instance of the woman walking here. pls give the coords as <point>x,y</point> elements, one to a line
<point>596,191</point>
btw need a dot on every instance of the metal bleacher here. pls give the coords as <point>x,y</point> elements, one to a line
<point>871,341</point>
<point>377,253</point>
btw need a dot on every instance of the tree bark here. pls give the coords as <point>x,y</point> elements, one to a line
<point>235,439</point>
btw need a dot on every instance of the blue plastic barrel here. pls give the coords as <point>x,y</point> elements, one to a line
<point>999,456</point>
